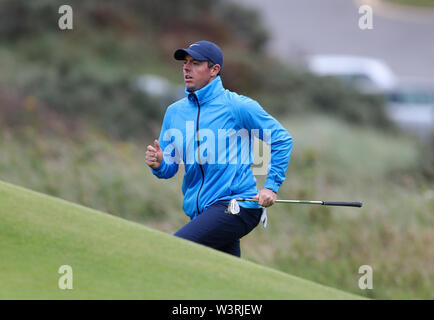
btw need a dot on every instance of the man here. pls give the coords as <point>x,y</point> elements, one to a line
<point>195,131</point>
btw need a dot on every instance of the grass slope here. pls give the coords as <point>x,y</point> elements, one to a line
<point>114,258</point>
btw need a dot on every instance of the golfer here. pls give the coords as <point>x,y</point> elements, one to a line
<point>196,131</point>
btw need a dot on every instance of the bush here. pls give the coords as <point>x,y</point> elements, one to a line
<point>87,73</point>
<point>426,162</point>
<point>246,23</point>
<point>21,18</point>
<point>112,104</point>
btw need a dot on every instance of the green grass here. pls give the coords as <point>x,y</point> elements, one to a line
<point>420,3</point>
<point>336,161</point>
<point>393,232</point>
<point>112,258</point>
<point>331,161</point>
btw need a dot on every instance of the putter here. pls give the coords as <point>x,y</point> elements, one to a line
<point>234,208</point>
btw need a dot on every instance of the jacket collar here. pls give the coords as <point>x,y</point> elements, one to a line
<point>207,93</point>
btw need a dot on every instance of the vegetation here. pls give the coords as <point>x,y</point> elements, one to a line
<point>328,245</point>
<point>421,3</point>
<point>112,258</point>
<point>88,73</point>
<point>73,125</point>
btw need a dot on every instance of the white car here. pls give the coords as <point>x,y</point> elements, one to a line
<point>367,74</point>
<point>412,109</point>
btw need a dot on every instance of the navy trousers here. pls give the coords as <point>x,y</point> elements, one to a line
<point>220,230</point>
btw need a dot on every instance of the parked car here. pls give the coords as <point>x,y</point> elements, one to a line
<point>411,107</point>
<point>367,74</point>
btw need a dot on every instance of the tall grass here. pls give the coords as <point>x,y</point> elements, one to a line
<point>393,232</point>
<point>88,169</point>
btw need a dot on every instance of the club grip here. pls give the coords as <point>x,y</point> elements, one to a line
<point>342,204</point>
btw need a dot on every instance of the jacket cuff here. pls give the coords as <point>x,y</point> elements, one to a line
<point>272,185</point>
<point>159,171</point>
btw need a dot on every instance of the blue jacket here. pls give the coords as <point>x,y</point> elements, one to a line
<point>211,131</point>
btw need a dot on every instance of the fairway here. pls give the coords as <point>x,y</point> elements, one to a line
<point>112,258</point>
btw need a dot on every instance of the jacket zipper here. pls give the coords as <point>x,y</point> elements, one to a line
<point>198,153</point>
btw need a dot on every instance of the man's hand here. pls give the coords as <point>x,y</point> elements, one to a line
<point>266,197</point>
<point>154,155</point>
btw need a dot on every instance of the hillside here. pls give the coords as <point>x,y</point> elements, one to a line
<point>113,258</point>
<point>76,115</point>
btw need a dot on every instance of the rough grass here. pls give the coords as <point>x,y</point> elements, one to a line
<point>393,232</point>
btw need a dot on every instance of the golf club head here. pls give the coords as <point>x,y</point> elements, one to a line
<point>233,207</point>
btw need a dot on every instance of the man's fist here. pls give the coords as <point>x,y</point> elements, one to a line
<point>154,155</point>
<point>266,197</point>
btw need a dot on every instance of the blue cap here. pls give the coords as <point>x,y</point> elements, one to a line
<point>202,51</point>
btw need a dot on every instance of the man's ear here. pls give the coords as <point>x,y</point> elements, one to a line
<point>215,70</point>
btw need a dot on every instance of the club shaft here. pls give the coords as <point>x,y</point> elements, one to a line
<point>320,202</point>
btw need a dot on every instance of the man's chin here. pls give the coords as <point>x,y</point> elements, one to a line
<point>190,88</point>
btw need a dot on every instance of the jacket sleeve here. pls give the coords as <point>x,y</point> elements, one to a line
<point>170,164</point>
<point>269,130</point>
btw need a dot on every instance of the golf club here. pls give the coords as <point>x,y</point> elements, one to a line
<point>234,208</point>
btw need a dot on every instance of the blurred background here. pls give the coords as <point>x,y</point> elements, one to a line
<point>78,108</point>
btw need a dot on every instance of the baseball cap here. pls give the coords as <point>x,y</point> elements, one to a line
<point>202,51</point>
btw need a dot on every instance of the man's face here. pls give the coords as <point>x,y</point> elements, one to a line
<point>197,74</point>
